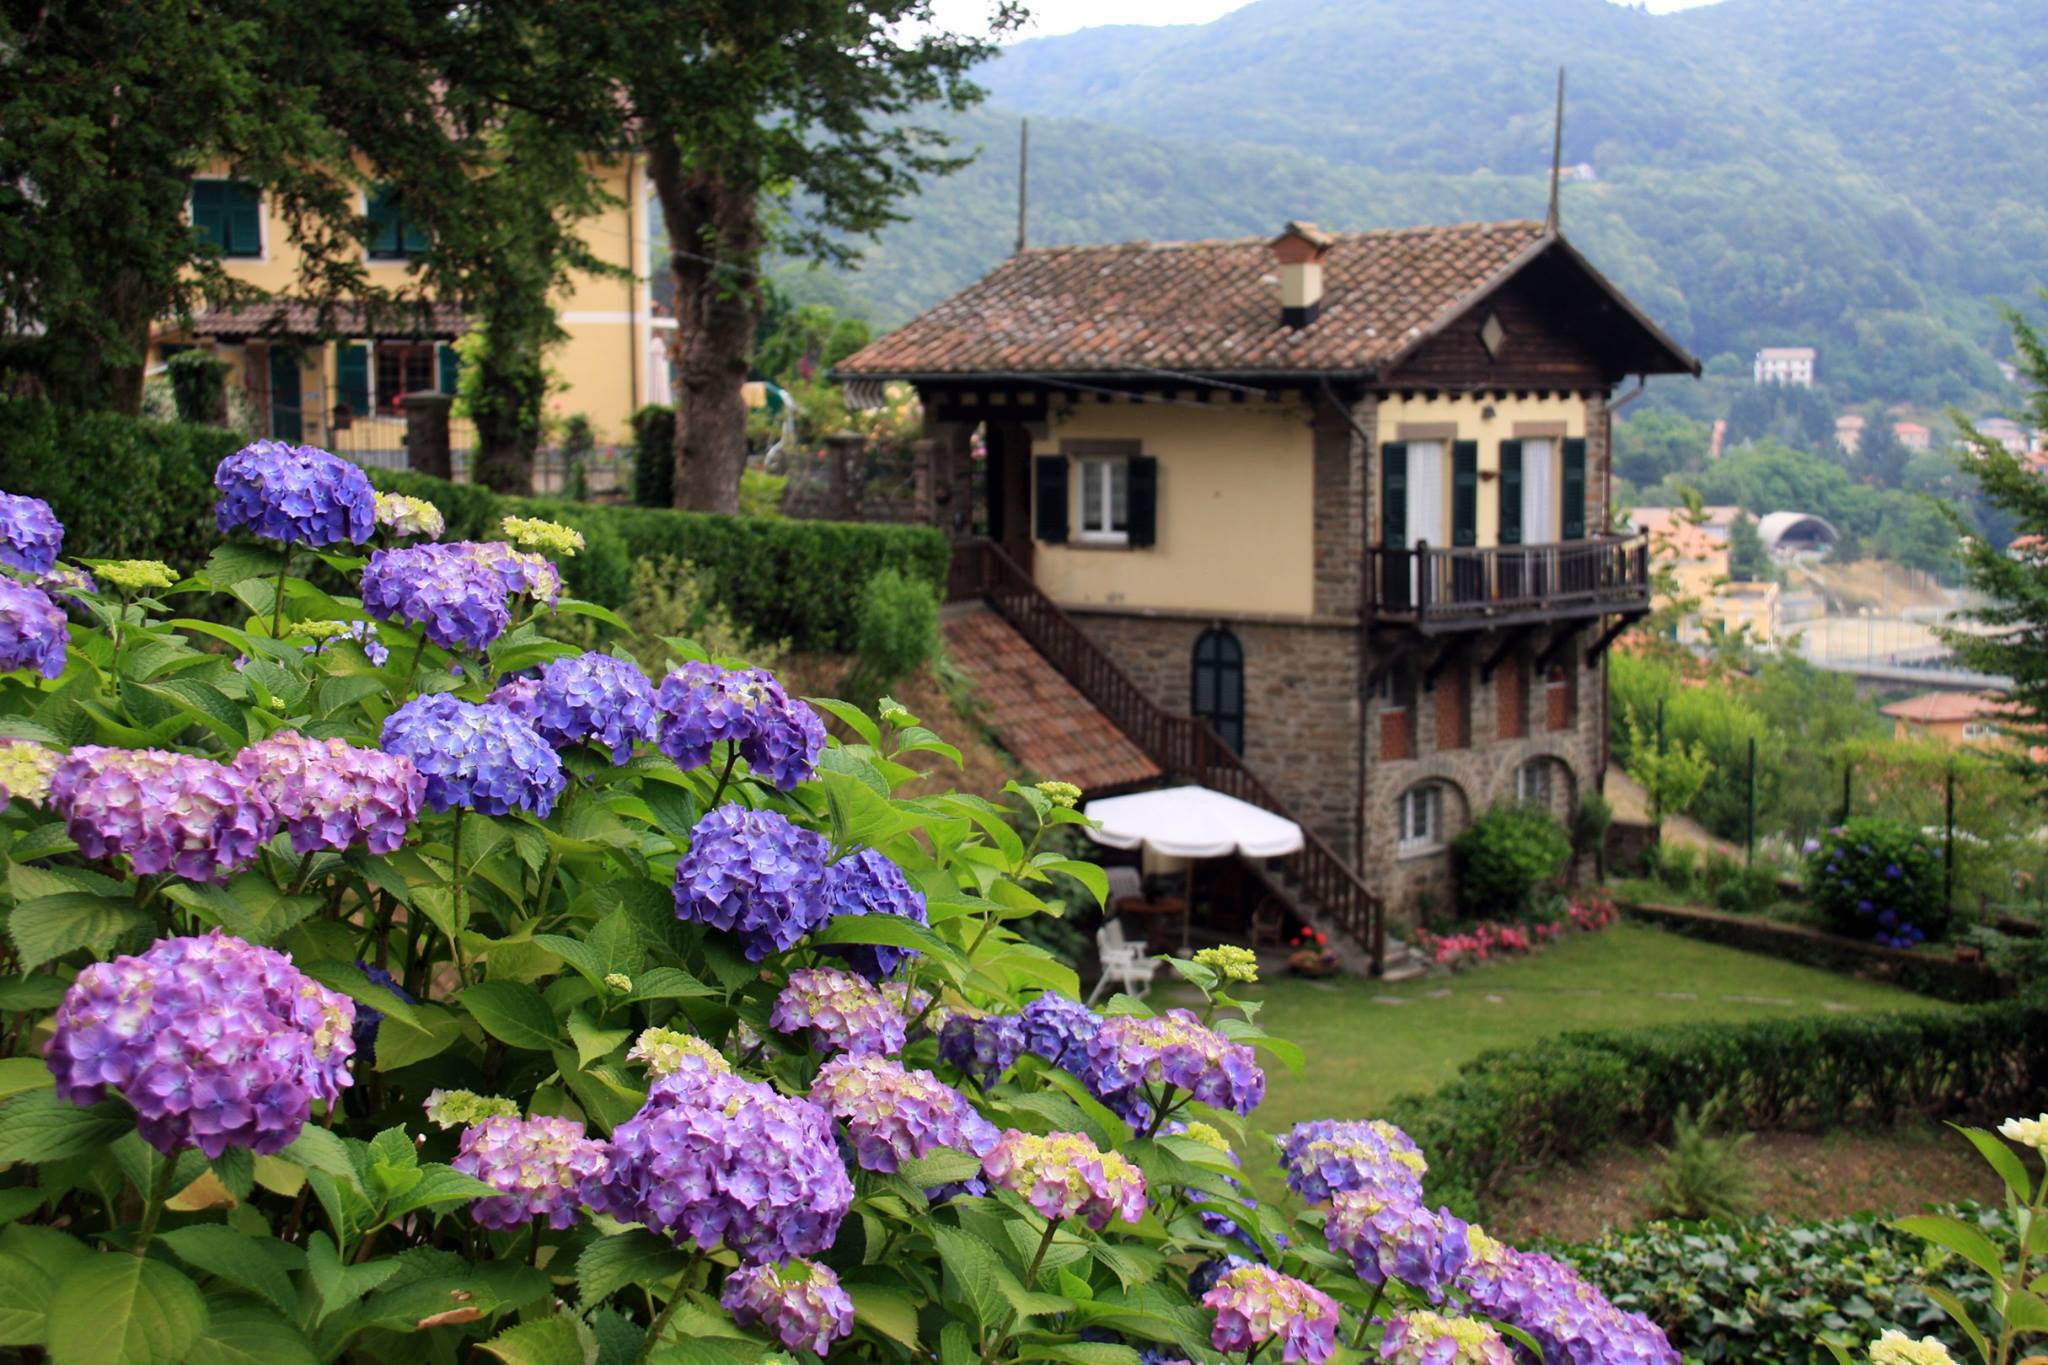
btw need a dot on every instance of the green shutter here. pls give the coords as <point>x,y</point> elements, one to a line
<point>1511,492</point>
<point>384,224</point>
<point>1394,495</point>
<point>1573,515</point>
<point>245,219</point>
<point>1465,493</point>
<point>352,376</point>
<point>1050,476</point>
<point>209,212</point>
<point>1141,507</point>
<point>451,367</point>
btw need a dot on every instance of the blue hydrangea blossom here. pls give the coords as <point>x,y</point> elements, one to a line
<point>477,756</point>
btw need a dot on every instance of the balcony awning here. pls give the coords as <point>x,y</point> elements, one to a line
<point>1192,822</point>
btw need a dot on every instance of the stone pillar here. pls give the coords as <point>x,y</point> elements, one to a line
<point>846,469</point>
<point>427,442</point>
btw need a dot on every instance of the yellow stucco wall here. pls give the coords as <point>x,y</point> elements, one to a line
<point>1236,488</point>
<point>609,321</point>
<point>1469,415</point>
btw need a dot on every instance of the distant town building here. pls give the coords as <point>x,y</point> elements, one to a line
<point>1912,435</point>
<point>2007,433</point>
<point>1741,609</point>
<point>2010,371</point>
<point>1954,718</point>
<point>1582,172</point>
<point>1696,552</point>
<point>1849,431</point>
<point>1720,438</point>
<point>1785,365</point>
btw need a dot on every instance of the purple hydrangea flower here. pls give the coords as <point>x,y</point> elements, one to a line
<point>541,1165</point>
<point>805,1311</point>
<point>716,1159</point>
<point>32,630</point>
<point>1572,1321</point>
<point>869,884</point>
<point>214,1042</point>
<point>299,495</point>
<point>587,699</point>
<point>1424,1338</point>
<point>1059,1030</point>
<point>481,757</point>
<point>363,633</point>
<point>983,1046</point>
<point>370,1020</point>
<point>330,794</point>
<point>1394,1237</point>
<point>168,812</point>
<point>30,534</point>
<point>1326,1155</point>
<point>453,596</point>
<point>1255,1304</point>
<point>1064,1175</point>
<point>753,873</point>
<point>893,1115</point>
<point>842,1012</point>
<point>519,571</point>
<point>1174,1050</point>
<point>703,705</point>
<point>72,589</point>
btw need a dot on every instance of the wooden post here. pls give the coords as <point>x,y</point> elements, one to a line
<point>846,466</point>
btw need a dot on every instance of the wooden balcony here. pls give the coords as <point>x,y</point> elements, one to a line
<point>1439,591</point>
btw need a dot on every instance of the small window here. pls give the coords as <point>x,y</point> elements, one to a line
<point>1421,811</point>
<point>229,214</point>
<point>1532,783</point>
<point>1219,685</point>
<point>403,367</point>
<point>1105,500</point>
<point>393,237</point>
<point>1397,689</point>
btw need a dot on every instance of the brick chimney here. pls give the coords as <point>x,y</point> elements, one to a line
<point>1300,249</point>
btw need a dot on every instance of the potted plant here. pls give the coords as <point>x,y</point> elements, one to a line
<point>1312,954</point>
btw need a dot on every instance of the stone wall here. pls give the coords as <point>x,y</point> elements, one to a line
<point>1301,721</point>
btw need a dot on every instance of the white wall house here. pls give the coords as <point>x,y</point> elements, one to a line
<point>1785,365</point>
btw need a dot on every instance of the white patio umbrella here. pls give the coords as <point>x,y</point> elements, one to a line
<point>1191,822</point>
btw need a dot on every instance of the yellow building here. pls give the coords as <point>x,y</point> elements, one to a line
<point>1955,718</point>
<point>1695,551</point>
<point>336,382</point>
<point>1743,608</point>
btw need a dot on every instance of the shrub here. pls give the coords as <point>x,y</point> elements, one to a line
<point>198,386</point>
<point>1566,1097</point>
<point>128,489</point>
<point>761,493</point>
<point>897,627</point>
<point>1747,890</point>
<point>1504,855</point>
<point>668,600</point>
<point>780,578</point>
<point>1677,866</point>
<point>1589,826</point>
<point>1878,879</point>
<point>654,456</point>
<point>1702,1174</point>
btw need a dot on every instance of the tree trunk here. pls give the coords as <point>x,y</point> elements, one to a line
<point>715,242</point>
<point>510,389</point>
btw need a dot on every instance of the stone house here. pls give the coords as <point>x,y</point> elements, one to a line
<point>1343,497</point>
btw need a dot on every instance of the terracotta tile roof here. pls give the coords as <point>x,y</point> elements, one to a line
<point>1933,708</point>
<point>290,318</point>
<point>1038,716</point>
<point>1210,306</point>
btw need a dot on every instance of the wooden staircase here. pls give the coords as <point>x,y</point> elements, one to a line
<point>1321,887</point>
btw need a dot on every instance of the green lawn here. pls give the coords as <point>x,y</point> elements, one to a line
<point>1363,1052</point>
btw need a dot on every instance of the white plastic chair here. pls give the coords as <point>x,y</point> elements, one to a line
<point>1122,961</point>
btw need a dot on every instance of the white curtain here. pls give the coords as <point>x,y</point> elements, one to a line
<point>1539,491</point>
<point>1426,493</point>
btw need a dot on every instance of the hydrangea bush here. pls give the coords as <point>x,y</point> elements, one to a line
<point>392,981</point>
<point>1878,879</point>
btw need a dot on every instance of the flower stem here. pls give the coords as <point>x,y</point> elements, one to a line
<point>732,757</point>
<point>153,1205</point>
<point>414,671</point>
<point>1052,1227</point>
<point>277,607</point>
<point>305,870</point>
<point>655,1330</point>
<point>460,921</point>
<point>1365,1322</point>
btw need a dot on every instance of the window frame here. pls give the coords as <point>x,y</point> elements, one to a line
<point>1219,653</point>
<point>406,251</point>
<point>1427,799</point>
<point>1535,772</point>
<point>227,251</point>
<point>1113,469</point>
<point>386,404</point>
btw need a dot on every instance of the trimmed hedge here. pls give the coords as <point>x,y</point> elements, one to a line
<point>781,579</point>
<point>1568,1096</point>
<point>654,456</point>
<point>127,488</point>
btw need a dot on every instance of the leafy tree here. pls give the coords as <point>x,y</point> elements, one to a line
<point>743,109</point>
<point>1673,772</point>
<point>1654,445</point>
<point>1748,561</point>
<point>1880,455</point>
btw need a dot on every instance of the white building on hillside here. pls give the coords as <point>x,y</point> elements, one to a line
<point>1785,365</point>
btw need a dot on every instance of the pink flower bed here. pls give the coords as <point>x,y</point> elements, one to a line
<point>1489,939</point>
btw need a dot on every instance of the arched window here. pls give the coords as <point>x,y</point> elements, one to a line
<point>1218,692</point>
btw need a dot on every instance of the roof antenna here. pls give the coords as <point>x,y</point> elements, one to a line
<point>1556,156</point>
<point>1023,179</point>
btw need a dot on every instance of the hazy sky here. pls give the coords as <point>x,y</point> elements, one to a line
<point>1064,16</point>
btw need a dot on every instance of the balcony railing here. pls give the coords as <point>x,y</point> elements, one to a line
<point>1468,589</point>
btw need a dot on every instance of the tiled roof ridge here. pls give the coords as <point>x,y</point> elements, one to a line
<point>1137,244</point>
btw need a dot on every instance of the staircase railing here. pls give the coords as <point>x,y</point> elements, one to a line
<point>1186,748</point>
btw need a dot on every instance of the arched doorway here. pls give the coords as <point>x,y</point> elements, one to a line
<point>1218,687</point>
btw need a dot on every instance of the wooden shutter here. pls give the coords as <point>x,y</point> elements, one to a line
<point>1050,477</point>
<point>1511,492</point>
<point>1394,495</point>
<point>451,367</point>
<point>1141,505</point>
<point>384,224</point>
<point>1465,493</point>
<point>1573,514</point>
<point>245,219</point>
<point>352,376</point>
<point>209,211</point>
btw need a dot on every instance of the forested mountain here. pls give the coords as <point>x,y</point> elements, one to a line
<point>1867,176</point>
